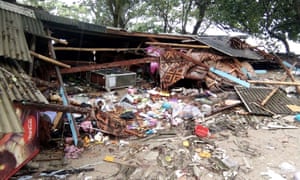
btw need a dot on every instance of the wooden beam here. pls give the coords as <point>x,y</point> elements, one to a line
<point>77,62</point>
<point>52,107</point>
<point>108,65</point>
<point>61,41</point>
<point>178,45</point>
<point>50,60</point>
<point>275,82</point>
<point>95,49</point>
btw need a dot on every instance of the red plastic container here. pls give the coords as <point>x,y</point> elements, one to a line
<point>201,131</point>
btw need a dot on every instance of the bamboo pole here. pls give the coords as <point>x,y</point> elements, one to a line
<point>47,59</point>
<point>177,45</point>
<point>95,49</point>
<point>274,82</point>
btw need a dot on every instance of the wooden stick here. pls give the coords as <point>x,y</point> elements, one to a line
<point>95,49</point>
<point>269,96</point>
<point>178,45</point>
<point>275,82</point>
<point>61,41</point>
<point>47,59</point>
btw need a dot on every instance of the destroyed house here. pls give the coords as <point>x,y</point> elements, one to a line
<point>37,50</point>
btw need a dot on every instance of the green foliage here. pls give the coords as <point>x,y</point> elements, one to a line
<point>71,10</point>
<point>263,18</point>
<point>275,19</point>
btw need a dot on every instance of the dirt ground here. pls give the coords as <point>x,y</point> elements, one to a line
<point>244,152</point>
<point>274,154</point>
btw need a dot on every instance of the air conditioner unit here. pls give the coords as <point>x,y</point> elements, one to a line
<point>113,78</point>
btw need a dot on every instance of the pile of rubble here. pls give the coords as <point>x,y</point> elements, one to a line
<point>150,133</point>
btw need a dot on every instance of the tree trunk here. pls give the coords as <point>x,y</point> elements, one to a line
<point>186,11</point>
<point>202,6</point>
<point>282,39</point>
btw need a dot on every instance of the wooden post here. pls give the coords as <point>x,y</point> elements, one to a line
<point>63,93</point>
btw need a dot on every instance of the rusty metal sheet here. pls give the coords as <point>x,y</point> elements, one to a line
<point>252,97</point>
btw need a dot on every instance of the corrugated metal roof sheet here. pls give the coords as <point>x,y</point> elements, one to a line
<point>17,9</point>
<point>14,20</point>
<point>13,42</point>
<point>18,84</point>
<point>69,23</point>
<point>33,26</point>
<point>15,85</point>
<point>9,121</point>
<point>222,44</point>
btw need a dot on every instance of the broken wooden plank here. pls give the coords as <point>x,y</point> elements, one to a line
<point>275,82</point>
<point>109,65</point>
<point>50,60</point>
<point>178,45</point>
<point>263,102</point>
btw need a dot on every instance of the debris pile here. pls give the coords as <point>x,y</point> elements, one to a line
<point>178,134</point>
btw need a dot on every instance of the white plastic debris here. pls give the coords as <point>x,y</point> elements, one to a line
<point>273,175</point>
<point>287,167</point>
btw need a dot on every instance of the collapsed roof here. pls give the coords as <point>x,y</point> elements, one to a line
<point>27,31</point>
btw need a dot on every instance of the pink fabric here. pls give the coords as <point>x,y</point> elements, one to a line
<point>154,67</point>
